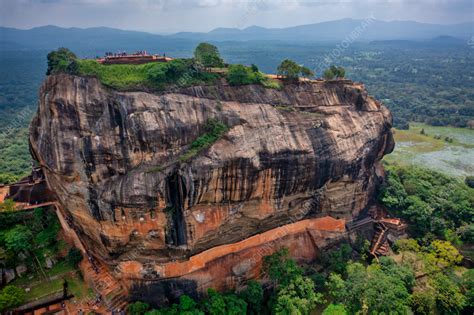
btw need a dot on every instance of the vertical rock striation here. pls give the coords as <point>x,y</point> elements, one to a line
<point>304,158</point>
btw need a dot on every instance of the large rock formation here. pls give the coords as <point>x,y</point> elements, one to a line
<point>293,167</point>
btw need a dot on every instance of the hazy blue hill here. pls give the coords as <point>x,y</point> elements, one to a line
<point>97,40</point>
<point>338,30</point>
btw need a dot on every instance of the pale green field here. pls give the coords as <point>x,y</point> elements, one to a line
<point>453,158</point>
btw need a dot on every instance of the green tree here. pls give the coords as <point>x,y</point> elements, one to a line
<point>217,304</point>
<point>419,212</point>
<point>8,179</point>
<point>289,69</point>
<point>306,72</point>
<point>280,268</point>
<point>239,75</point>
<point>187,306</point>
<point>385,293</point>
<point>449,298</point>
<point>423,302</point>
<point>298,297</point>
<point>408,244</point>
<point>11,297</point>
<point>138,308</point>
<point>335,309</point>
<point>8,205</point>
<point>392,193</point>
<point>292,71</point>
<point>328,74</point>
<point>253,295</point>
<point>208,55</point>
<point>374,290</point>
<point>336,260</point>
<point>404,273</point>
<point>61,60</point>
<point>74,257</point>
<point>242,75</point>
<point>432,202</point>
<point>339,72</point>
<point>336,287</point>
<point>318,279</point>
<point>446,255</point>
<point>18,239</point>
<point>468,287</point>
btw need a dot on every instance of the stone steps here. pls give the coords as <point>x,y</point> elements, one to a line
<point>113,294</point>
<point>378,240</point>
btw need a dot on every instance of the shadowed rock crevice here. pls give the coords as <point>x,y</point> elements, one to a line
<point>176,192</point>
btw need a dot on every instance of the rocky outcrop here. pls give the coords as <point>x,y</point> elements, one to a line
<point>307,152</point>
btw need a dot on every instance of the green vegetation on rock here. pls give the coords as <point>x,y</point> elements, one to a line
<point>208,55</point>
<point>214,130</point>
<point>61,60</point>
<point>334,72</point>
<point>153,76</point>
<point>293,71</point>
<point>242,75</point>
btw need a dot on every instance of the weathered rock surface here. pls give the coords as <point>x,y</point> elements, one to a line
<point>308,151</point>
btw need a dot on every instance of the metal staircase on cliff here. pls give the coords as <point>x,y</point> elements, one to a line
<point>379,246</point>
<point>109,292</point>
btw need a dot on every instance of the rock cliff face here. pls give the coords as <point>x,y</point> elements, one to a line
<point>293,167</point>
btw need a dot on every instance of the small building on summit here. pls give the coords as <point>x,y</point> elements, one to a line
<point>139,57</point>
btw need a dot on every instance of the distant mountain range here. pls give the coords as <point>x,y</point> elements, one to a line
<point>100,38</point>
<point>85,39</point>
<point>339,30</point>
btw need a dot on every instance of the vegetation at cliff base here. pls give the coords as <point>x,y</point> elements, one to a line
<point>423,274</point>
<point>15,158</point>
<point>35,257</point>
<point>434,204</point>
<point>419,279</point>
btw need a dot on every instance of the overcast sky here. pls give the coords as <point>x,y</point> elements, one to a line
<point>165,16</point>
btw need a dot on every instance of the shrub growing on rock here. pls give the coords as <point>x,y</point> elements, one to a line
<point>62,60</point>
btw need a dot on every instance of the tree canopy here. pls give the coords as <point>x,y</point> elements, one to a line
<point>432,202</point>
<point>208,55</point>
<point>292,71</point>
<point>61,60</point>
<point>11,297</point>
<point>334,72</point>
<point>375,289</point>
<point>242,75</point>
